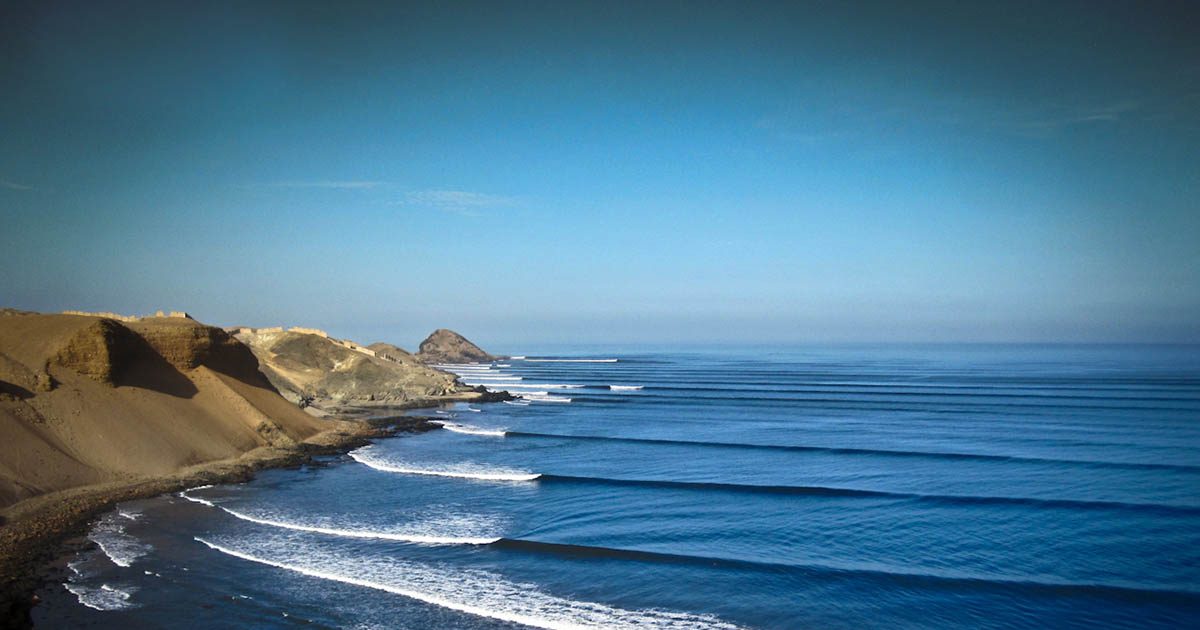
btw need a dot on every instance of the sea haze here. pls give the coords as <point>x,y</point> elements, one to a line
<point>837,487</point>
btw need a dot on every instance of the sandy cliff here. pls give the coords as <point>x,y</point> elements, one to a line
<point>86,400</point>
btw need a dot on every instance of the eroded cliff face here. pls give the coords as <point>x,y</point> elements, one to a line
<point>187,344</point>
<point>100,350</point>
<point>447,346</point>
<point>86,399</point>
<point>301,364</point>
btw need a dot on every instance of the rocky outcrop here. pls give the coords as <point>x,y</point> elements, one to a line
<point>187,344</point>
<point>99,350</point>
<point>108,351</point>
<point>331,371</point>
<point>447,346</point>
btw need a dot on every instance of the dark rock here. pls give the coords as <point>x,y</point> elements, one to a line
<point>447,346</point>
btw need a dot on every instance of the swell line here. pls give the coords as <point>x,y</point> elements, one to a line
<point>824,491</point>
<point>1057,588</point>
<point>861,451</point>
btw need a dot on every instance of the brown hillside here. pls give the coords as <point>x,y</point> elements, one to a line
<point>300,363</point>
<point>87,399</point>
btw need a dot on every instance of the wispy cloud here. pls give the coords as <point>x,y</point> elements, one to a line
<point>870,114</point>
<point>335,184</point>
<point>457,201</point>
<point>1051,118</point>
<point>11,185</point>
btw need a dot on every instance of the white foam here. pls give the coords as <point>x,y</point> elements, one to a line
<point>185,495</point>
<point>548,399</point>
<point>461,366</point>
<point>120,547</point>
<point>518,358</point>
<point>474,592</point>
<point>516,402</point>
<point>461,471</point>
<point>471,430</point>
<point>502,365</point>
<point>104,598</point>
<point>530,385</point>
<point>132,515</point>
<point>402,536</point>
<point>625,388</point>
<point>474,410</point>
<point>572,360</point>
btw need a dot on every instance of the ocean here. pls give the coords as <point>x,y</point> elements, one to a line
<point>899,486</point>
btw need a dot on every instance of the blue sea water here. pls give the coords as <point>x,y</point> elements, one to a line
<point>838,487</point>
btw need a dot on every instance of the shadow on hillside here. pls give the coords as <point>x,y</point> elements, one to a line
<point>147,369</point>
<point>14,390</point>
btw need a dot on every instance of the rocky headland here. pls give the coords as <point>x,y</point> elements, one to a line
<point>341,377</point>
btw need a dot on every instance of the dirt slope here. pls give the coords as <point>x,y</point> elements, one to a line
<point>86,400</point>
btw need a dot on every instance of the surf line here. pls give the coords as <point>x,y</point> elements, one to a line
<point>483,475</point>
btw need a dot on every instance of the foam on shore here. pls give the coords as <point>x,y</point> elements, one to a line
<point>103,598</point>
<point>121,548</point>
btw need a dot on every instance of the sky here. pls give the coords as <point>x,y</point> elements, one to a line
<point>570,172</point>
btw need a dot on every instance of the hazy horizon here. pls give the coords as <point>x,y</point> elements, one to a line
<point>582,173</point>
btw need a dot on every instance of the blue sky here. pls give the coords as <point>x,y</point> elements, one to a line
<point>565,172</point>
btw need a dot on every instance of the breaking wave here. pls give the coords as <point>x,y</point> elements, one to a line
<point>120,547</point>
<point>571,360</point>
<point>103,598</point>
<point>471,430</point>
<point>459,471</point>
<point>473,592</point>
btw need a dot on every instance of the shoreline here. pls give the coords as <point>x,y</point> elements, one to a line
<point>35,532</point>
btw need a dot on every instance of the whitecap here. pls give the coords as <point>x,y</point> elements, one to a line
<point>623,388</point>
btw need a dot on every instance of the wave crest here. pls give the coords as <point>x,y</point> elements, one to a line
<point>460,471</point>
